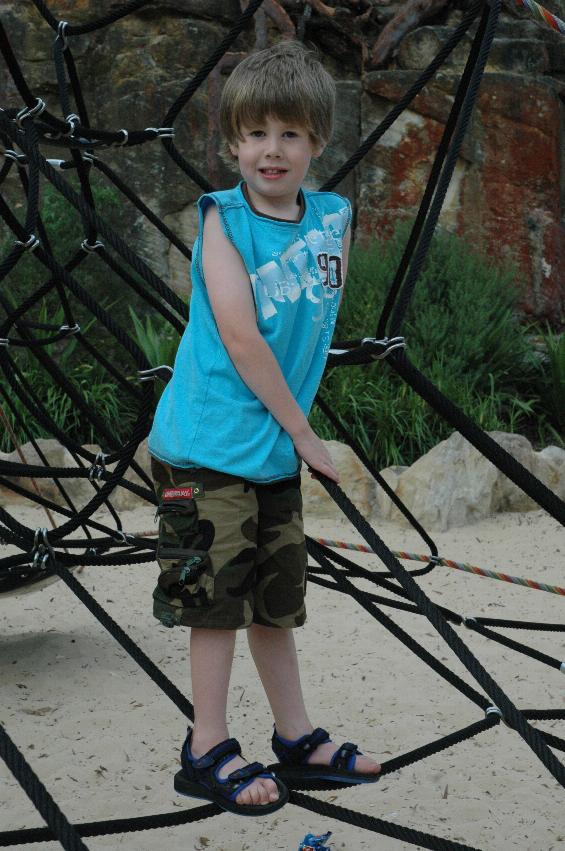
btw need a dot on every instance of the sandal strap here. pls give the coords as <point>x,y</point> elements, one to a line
<point>298,752</point>
<point>214,755</point>
<point>254,769</point>
<point>344,758</point>
<point>205,769</point>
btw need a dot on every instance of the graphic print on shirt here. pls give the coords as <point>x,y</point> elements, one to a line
<point>311,267</point>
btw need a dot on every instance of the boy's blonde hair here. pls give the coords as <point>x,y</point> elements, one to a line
<point>286,81</point>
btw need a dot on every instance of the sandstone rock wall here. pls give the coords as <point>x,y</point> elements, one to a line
<point>509,185</point>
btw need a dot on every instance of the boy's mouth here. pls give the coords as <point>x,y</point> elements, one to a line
<point>272,172</point>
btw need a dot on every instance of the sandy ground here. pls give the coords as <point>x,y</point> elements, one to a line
<point>104,739</point>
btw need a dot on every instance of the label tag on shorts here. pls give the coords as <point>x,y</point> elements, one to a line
<point>189,491</point>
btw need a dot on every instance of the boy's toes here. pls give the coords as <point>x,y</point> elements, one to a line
<point>271,790</point>
<point>365,765</point>
<point>249,795</point>
<point>261,791</point>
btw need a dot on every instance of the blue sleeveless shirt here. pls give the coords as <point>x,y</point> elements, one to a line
<point>207,416</point>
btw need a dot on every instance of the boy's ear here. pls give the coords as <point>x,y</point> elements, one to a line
<point>318,149</point>
<point>233,149</point>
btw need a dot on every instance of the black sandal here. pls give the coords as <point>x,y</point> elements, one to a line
<point>198,778</point>
<point>292,758</point>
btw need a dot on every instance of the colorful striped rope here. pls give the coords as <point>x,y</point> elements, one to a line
<point>544,15</point>
<point>457,565</point>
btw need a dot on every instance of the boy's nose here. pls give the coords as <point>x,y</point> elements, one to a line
<point>273,148</point>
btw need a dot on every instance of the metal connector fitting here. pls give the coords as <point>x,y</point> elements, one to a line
<point>494,710</point>
<point>124,140</point>
<point>162,132</point>
<point>98,468</point>
<point>383,347</point>
<point>31,244</point>
<point>164,372</point>
<point>30,111</point>
<point>85,245</point>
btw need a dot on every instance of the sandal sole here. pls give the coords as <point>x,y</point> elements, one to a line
<point>191,789</point>
<point>315,773</point>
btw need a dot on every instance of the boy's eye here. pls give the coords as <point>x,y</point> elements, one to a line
<point>257,133</point>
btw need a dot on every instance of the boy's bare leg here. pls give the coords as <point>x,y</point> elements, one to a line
<point>211,658</point>
<point>274,654</point>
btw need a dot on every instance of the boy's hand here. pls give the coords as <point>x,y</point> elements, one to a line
<point>312,450</point>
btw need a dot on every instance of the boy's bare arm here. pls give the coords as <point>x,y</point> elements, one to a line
<point>231,298</point>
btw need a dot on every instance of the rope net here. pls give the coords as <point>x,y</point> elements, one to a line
<point>76,536</point>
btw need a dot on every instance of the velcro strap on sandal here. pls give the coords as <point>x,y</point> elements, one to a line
<point>342,758</point>
<point>302,748</point>
<point>217,753</point>
<point>247,772</point>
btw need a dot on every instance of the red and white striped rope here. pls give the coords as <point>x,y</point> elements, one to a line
<point>457,565</point>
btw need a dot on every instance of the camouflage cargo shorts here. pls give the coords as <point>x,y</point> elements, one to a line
<point>230,552</point>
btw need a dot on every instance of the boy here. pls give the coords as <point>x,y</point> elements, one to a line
<point>230,428</point>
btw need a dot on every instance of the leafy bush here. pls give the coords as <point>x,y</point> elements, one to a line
<point>90,379</point>
<point>65,232</point>
<point>462,332</point>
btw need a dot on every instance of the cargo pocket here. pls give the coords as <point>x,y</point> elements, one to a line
<point>186,579</point>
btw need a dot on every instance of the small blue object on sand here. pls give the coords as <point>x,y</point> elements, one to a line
<point>315,843</point>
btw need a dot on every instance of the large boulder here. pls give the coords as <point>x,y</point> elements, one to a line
<point>454,484</point>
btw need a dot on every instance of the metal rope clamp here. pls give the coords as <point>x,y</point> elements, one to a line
<point>162,132</point>
<point>124,140</point>
<point>20,159</point>
<point>122,537</point>
<point>99,467</point>
<point>164,372</point>
<point>383,347</point>
<point>494,710</point>
<point>69,330</point>
<point>62,33</point>
<point>42,550</point>
<point>30,111</point>
<point>85,245</point>
<point>31,244</point>
<point>73,121</point>
<point>61,165</point>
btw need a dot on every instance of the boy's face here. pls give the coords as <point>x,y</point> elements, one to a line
<point>274,157</point>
